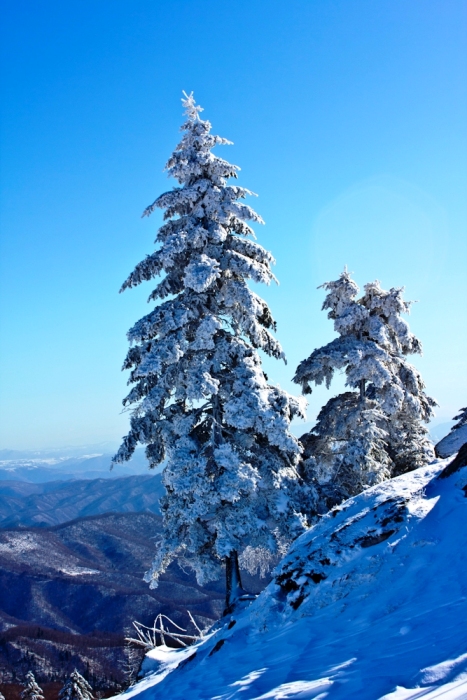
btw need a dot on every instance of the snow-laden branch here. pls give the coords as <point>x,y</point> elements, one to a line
<point>147,637</point>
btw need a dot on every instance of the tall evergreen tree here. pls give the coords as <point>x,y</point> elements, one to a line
<point>31,689</point>
<point>364,436</point>
<point>200,396</point>
<point>76,688</point>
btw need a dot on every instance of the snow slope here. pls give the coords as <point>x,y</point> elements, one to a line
<point>371,603</point>
<point>452,443</point>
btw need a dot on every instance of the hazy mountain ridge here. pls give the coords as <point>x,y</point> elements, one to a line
<point>40,467</point>
<point>60,453</point>
<point>72,557</point>
<point>52,503</point>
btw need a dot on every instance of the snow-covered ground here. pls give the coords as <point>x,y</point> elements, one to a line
<point>453,441</point>
<point>370,604</point>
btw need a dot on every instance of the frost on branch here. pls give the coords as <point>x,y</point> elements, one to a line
<point>163,627</point>
<point>199,396</point>
<point>375,431</point>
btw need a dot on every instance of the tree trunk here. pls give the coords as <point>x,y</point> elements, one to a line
<point>362,390</point>
<point>233,581</point>
<point>216,434</point>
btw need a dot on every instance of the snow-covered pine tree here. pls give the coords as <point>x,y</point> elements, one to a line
<point>457,437</point>
<point>364,436</point>
<point>76,688</point>
<point>346,450</point>
<point>405,404</point>
<point>201,399</point>
<point>461,419</point>
<point>31,690</point>
<point>133,656</point>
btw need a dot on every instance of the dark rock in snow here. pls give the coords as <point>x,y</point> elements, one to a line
<point>459,461</point>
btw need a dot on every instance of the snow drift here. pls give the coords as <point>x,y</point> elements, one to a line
<point>371,603</point>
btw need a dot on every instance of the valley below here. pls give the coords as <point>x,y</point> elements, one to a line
<point>73,552</point>
<point>70,593</point>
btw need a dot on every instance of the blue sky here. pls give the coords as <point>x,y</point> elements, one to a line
<point>349,120</point>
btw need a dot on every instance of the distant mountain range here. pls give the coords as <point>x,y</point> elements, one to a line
<point>63,452</point>
<point>30,504</point>
<point>94,461</point>
<point>72,558</point>
<point>40,467</point>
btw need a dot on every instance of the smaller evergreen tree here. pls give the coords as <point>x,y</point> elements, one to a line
<point>76,688</point>
<point>31,689</point>
<point>346,450</point>
<point>457,437</point>
<point>367,435</point>
<point>461,419</point>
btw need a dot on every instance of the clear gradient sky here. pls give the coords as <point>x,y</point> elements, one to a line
<point>349,119</point>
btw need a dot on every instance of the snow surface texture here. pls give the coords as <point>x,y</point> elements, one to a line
<point>371,603</point>
<point>452,442</point>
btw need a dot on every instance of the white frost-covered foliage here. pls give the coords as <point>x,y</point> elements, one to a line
<point>345,452</point>
<point>76,688</point>
<point>31,690</point>
<point>259,560</point>
<point>365,436</point>
<point>201,399</point>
